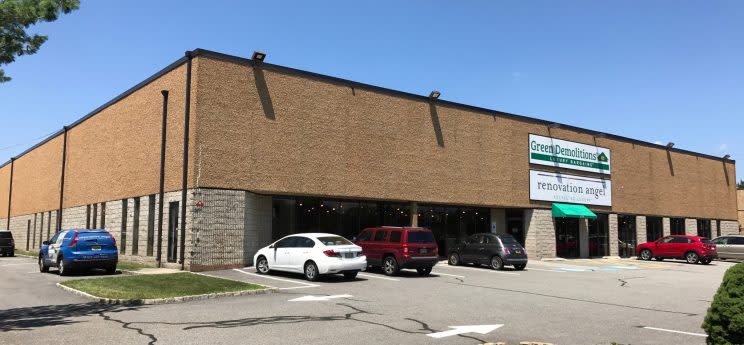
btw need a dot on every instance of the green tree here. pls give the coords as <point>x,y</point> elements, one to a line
<point>16,16</point>
<point>740,185</point>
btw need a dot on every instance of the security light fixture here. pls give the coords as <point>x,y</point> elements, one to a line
<point>435,94</point>
<point>258,56</point>
<point>726,156</point>
<point>670,145</point>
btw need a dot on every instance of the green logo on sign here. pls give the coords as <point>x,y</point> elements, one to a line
<point>602,157</point>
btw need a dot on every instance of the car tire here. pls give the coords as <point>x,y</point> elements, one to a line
<point>63,269</point>
<point>497,263</point>
<point>645,255</point>
<point>43,268</point>
<point>350,275</point>
<point>262,265</point>
<point>692,257</point>
<point>659,258</point>
<point>390,266</point>
<point>111,269</point>
<point>12,254</point>
<point>705,261</point>
<point>311,271</point>
<point>520,267</point>
<point>424,271</point>
<point>454,260</point>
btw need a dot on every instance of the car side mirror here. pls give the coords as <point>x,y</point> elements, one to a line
<point>46,243</point>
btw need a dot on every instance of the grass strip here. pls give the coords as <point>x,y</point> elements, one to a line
<point>149,286</point>
<point>26,252</point>
<point>131,266</point>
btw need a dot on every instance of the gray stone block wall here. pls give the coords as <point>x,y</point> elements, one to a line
<point>666,226</point>
<point>74,217</point>
<point>19,226</point>
<point>691,226</point>
<point>540,234</point>
<point>613,229</point>
<point>729,227</point>
<point>258,225</point>
<point>218,231</point>
<point>640,229</point>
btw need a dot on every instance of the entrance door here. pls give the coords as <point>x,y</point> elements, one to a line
<point>626,236</point>
<point>172,231</point>
<point>567,237</point>
<point>599,236</point>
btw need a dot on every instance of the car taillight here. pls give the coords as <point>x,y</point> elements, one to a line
<point>112,237</point>
<point>74,240</point>
<point>405,250</point>
<point>331,253</point>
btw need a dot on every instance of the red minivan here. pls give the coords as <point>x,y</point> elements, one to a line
<point>395,248</point>
<point>692,249</point>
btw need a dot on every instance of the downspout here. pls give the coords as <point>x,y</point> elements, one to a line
<point>162,175</point>
<point>62,177</point>
<point>10,192</point>
<point>184,184</point>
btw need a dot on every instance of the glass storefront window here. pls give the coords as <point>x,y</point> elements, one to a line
<point>703,228</point>
<point>626,235</point>
<point>566,237</point>
<point>677,226</point>
<point>453,224</point>
<point>654,229</point>
<point>599,238</point>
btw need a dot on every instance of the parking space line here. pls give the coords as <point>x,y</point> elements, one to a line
<point>445,274</point>
<point>544,270</point>
<point>483,270</point>
<point>377,277</point>
<point>673,331</point>
<point>275,278</point>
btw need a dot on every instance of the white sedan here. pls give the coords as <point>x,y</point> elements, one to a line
<point>313,254</point>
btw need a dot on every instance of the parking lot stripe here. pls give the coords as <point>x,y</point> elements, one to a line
<point>445,274</point>
<point>540,269</point>
<point>377,277</point>
<point>275,278</point>
<point>673,331</point>
<point>483,270</point>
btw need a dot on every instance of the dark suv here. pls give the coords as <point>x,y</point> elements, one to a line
<point>7,245</point>
<point>394,248</point>
<point>489,249</point>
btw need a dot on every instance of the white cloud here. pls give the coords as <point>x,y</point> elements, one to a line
<point>723,147</point>
<point>657,142</point>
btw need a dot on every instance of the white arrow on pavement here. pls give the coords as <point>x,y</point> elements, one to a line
<point>482,329</point>
<point>318,298</point>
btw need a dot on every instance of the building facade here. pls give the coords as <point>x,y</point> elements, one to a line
<point>262,151</point>
<point>740,208</point>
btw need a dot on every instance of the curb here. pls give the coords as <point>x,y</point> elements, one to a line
<point>168,300</point>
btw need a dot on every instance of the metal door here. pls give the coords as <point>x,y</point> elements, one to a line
<point>172,231</point>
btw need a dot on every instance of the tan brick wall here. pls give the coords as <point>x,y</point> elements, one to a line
<point>4,185</point>
<point>36,178</point>
<point>272,132</point>
<point>740,203</point>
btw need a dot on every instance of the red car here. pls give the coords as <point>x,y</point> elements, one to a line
<point>394,248</point>
<point>693,249</point>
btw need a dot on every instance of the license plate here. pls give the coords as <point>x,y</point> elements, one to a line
<point>349,255</point>
<point>95,247</point>
<point>424,250</point>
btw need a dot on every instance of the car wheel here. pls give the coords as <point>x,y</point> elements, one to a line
<point>43,268</point>
<point>659,258</point>
<point>497,263</point>
<point>262,266</point>
<point>454,259</point>
<point>692,257</point>
<point>390,266</point>
<point>424,271</point>
<point>350,275</point>
<point>520,267</point>
<point>12,254</point>
<point>111,269</point>
<point>63,270</point>
<point>311,271</point>
<point>645,255</point>
<point>705,261</point>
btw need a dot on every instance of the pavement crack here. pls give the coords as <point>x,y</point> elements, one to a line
<point>127,325</point>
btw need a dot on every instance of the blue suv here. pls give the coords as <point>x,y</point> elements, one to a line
<point>72,249</point>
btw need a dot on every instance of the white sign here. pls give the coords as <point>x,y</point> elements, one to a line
<point>456,330</point>
<point>548,186</point>
<point>568,154</point>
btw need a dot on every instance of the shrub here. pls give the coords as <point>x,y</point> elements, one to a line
<point>724,322</point>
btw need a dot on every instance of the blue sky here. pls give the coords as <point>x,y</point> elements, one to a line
<point>657,71</point>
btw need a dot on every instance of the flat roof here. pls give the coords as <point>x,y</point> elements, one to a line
<point>212,54</point>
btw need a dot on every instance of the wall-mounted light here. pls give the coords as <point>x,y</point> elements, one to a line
<point>435,94</point>
<point>726,157</point>
<point>670,145</point>
<point>258,56</point>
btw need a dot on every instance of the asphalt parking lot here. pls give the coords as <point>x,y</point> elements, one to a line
<point>592,301</point>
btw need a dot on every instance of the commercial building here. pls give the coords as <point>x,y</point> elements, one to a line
<point>740,207</point>
<point>252,151</point>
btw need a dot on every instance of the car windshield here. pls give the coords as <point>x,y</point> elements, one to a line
<point>420,237</point>
<point>508,239</point>
<point>334,241</point>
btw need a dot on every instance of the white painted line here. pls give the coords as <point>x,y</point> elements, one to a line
<point>456,330</point>
<point>673,331</point>
<point>275,278</point>
<point>488,270</point>
<point>297,287</point>
<point>377,277</point>
<point>445,274</point>
<point>311,298</point>
<point>540,269</point>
